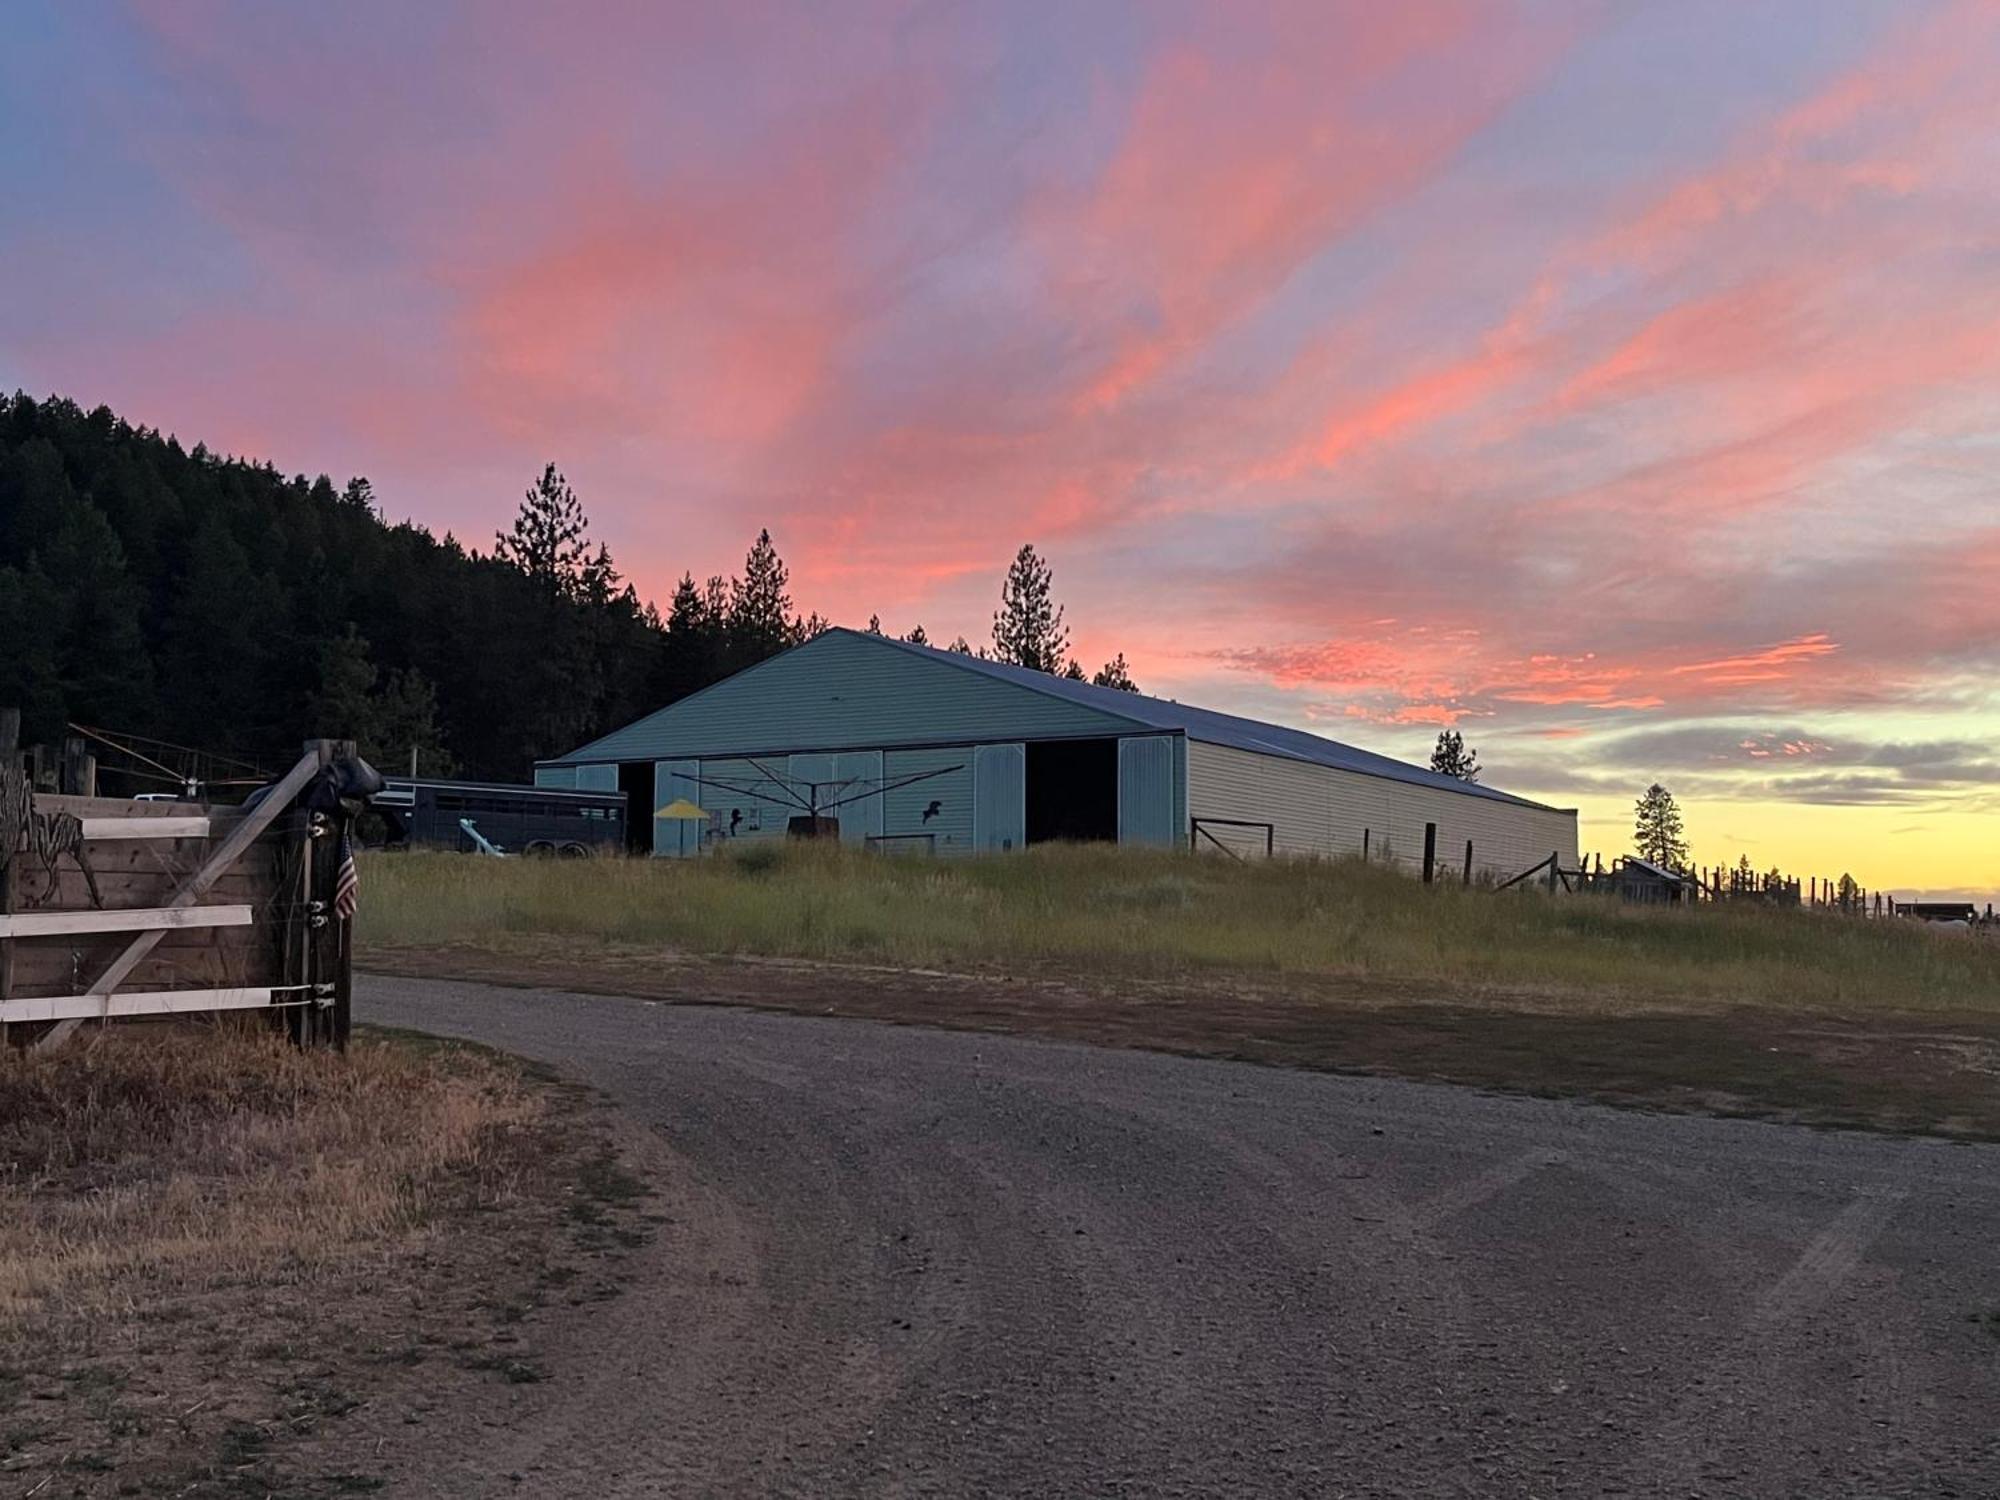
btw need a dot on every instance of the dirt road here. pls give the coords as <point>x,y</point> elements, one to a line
<point>909,1262</point>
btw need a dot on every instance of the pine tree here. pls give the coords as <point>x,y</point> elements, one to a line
<point>760,606</point>
<point>29,677</point>
<point>408,733</point>
<point>1028,627</point>
<point>874,624</point>
<point>100,648</point>
<point>342,704</point>
<point>1450,757</point>
<point>219,664</point>
<point>917,637</point>
<point>962,646</point>
<point>392,719</point>
<point>1657,830</point>
<point>548,543</point>
<point>1746,873</point>
<point>1074,671</point>
<point>1115,674</point>
<point>691,656</point>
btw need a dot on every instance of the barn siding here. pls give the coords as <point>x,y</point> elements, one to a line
<point>1318,810</point>
<point>563,777</point>
<point>673,782</point>
<point>903,808</point>
<point>862,771</point>
<point>597,778</point>
<point>844,690</point>
<point>1146,785</point>
<point>745,802</point>
<point>1000,797</point>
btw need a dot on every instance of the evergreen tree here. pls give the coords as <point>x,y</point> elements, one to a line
<point>1657,831</point>
<point>549,544</point>
<point>29,677</point>
<point>1115,674</point>
<point>1451,757</point>
<point>1746,873</point>
<point>100,649</point>
<point>408,733</point>
<point>916,637</point>
<point>1074,671</point>
<point>874,624</point>
<point>218,650</point>
<point>962,646</point>
<point>342,704</point>
<point>35,496</point>
<point>691,656</point>
<point>389,717</point>
<point>760,606</point>
<point>1028,627</point>
<point>164,591</point>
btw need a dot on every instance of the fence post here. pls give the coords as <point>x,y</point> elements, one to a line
<point>1364,846</point>
<point>10,739</point>
<point>78,773</point>
<point>1468,862</point>
<point>1430,851</point>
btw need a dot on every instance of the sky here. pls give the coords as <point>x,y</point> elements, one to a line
<point>1614,382</point>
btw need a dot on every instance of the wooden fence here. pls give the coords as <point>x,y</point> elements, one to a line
<point>195,909</point>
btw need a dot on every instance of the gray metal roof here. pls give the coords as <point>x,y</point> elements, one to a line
<point>1207,725</point>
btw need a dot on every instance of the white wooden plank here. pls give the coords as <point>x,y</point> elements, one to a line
<point>29,924</point>
<point>146,828</point>
<point>220,858</point>
<point>131,1003</point>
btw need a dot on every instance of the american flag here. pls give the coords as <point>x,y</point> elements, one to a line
<point>346,882</point>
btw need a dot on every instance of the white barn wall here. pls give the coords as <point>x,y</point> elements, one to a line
<point>1318,810</point>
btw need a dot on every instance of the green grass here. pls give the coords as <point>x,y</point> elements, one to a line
<point>1102,911</point>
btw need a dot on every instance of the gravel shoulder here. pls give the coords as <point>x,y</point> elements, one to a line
<point>895,1260</point>
<point>1924,1072</point>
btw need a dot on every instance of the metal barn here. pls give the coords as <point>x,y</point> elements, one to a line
<point>935,751</point>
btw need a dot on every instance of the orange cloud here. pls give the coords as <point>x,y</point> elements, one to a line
<point>1239,163</point>
<point>1770,664</point>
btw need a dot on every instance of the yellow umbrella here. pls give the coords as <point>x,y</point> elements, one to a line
<point>684,810</point>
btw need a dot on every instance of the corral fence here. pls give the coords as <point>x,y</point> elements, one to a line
<point>1240,838</point>
<point>124,910</point>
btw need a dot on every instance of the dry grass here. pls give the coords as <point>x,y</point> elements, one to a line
<point>157,1158</point>
<point>1121,913</point>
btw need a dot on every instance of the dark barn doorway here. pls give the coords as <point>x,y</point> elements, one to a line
<point>635,780</point>
<point>1073,791</point>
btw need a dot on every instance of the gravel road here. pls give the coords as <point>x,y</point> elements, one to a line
<point>911,1262</point>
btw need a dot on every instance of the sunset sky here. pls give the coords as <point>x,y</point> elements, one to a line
<point>1618,382</point>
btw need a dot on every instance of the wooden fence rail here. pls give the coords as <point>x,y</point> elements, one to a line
<point>186,909</point>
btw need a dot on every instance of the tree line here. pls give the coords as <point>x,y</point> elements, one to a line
<point>209,601</point>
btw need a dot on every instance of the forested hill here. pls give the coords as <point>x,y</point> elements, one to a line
<point>216,603</point>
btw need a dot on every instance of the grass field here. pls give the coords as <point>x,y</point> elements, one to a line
<point>1125,914</point>
<point>214,1248</point>
<point>188,1157</point>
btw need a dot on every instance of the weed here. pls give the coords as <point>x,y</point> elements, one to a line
<point>198,1156</point>
<point>1158,915</point>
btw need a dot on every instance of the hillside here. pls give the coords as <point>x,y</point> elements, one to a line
<point>211,601</point>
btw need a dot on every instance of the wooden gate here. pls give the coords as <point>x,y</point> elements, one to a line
<point>203,909</point>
